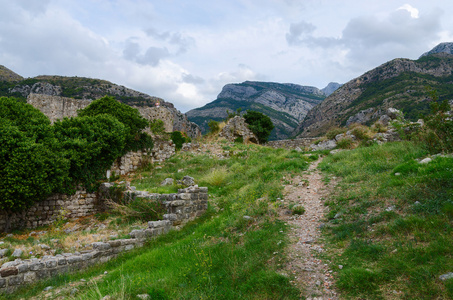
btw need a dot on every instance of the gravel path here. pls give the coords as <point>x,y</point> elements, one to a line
<point>312,274</point>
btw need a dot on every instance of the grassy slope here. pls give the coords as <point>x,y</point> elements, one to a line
<point>221,256</point>
<point>395,232</point>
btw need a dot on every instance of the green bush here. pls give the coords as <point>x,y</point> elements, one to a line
<point>130,117</point>
<point>345,143</point>
<point>91,144</point>
<point>213,126</point>
<point>260,124</point>
<point>31,167</point>
<point>332,133</point>
<point>178,139</point>
<point>157,126</point>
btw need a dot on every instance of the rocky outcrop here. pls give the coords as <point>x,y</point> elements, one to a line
<point>237,128</point>
<point>286,104</point>
<point>377,89</point>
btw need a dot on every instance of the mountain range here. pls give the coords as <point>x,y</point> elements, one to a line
<point>285,103</point>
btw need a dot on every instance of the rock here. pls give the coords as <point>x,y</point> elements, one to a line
<point>137,234</point>
<point>446,276</point>
<point>48,288</point>
<point>167,181</point>
<point>390,208</point>
<point>143,296</point>
<point>385,120</point>
<point>17,253</point>
<point>247,218</point>
<point>44,247</point>
<point>426,160</point>
<point>107,297</point>
<point>237,128</point>
<point>397,174</point>
<point>3,252</point>
<point>298,149</point>
<point>340,267</point>
<point>187,181</point>
<point>395,114</point>
<point>324,145</point>
<point>338,215</point>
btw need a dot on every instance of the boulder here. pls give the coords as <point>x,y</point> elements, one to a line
<point>237,128</point>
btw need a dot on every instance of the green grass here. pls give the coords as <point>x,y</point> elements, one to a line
<point>222,255</point>
<point>394,231</point>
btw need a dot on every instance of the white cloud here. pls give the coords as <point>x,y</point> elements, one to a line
<point>412,10</point>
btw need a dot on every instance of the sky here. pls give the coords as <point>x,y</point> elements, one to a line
<point>185,51</point>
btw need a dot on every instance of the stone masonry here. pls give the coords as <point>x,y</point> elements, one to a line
<point>186,205</point>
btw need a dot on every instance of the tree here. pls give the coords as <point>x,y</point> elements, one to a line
<point>31,167</point>
<point>130,117</point>
<point>260,124</point>
<point>91,144</point>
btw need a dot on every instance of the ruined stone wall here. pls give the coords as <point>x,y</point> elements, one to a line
<point>131,161</point>
<point>55,107</point>
<point>186,205</point>
<point>56,206</point>
<point>301,143</point>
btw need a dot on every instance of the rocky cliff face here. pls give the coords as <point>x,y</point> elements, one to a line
<point>399,83</point>
<point>59,97</point>
<point>285,104</point>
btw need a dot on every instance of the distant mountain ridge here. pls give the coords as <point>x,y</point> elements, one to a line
<point>285,103</point>
<point>399,83</point>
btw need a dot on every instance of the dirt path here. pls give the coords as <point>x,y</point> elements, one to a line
<point>312,275</point>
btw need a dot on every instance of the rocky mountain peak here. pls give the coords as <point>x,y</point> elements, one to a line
<point>441,48</point>
<point>330,88</point>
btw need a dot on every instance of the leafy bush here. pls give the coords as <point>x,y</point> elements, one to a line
<point>157,126</point>
<point>437,134</point>
<point>130,117</point>
<point>361,132</point>
<point>260,124</point>
<point>91,144</point>
<point>213,126</point>
<point>178,139</point>
<point>31,167</point>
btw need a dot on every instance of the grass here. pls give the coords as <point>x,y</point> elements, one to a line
<point>234,251</point>
<point>391,221</point>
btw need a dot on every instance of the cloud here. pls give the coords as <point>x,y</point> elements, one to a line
<point>412,10</point>
<point>368,41</point>
<point>298,32</point>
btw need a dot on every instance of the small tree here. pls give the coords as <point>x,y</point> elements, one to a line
<point>178,139</point>
<point>91,144</point>
<point>213,126</point>
<point>130,117</point>
<point>260,124</point>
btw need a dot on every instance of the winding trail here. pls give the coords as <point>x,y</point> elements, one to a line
<point>312,275</point>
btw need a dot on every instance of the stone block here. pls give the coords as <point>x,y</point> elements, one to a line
<point>177,203</point>
<point>101,246</point>
<point>62,261</point>
<point>42,274</point>
<point>10,271</point>
<point>16,280</point>
<point>74,259</point>
<point>2,283</point>
<point>22,268</point>
<point>184,196</point>
<point>115,243</point>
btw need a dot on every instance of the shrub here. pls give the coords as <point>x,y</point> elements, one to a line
<point>91,144</point>
<point>31,167</point>
<point>260,124</point>
<point>345,143</point>
<point>332,133</point>
<point>130,117</point>
<point>157,126</point>
<point>361,132</point>
<point>178,139</point>
<point>213,126</point>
